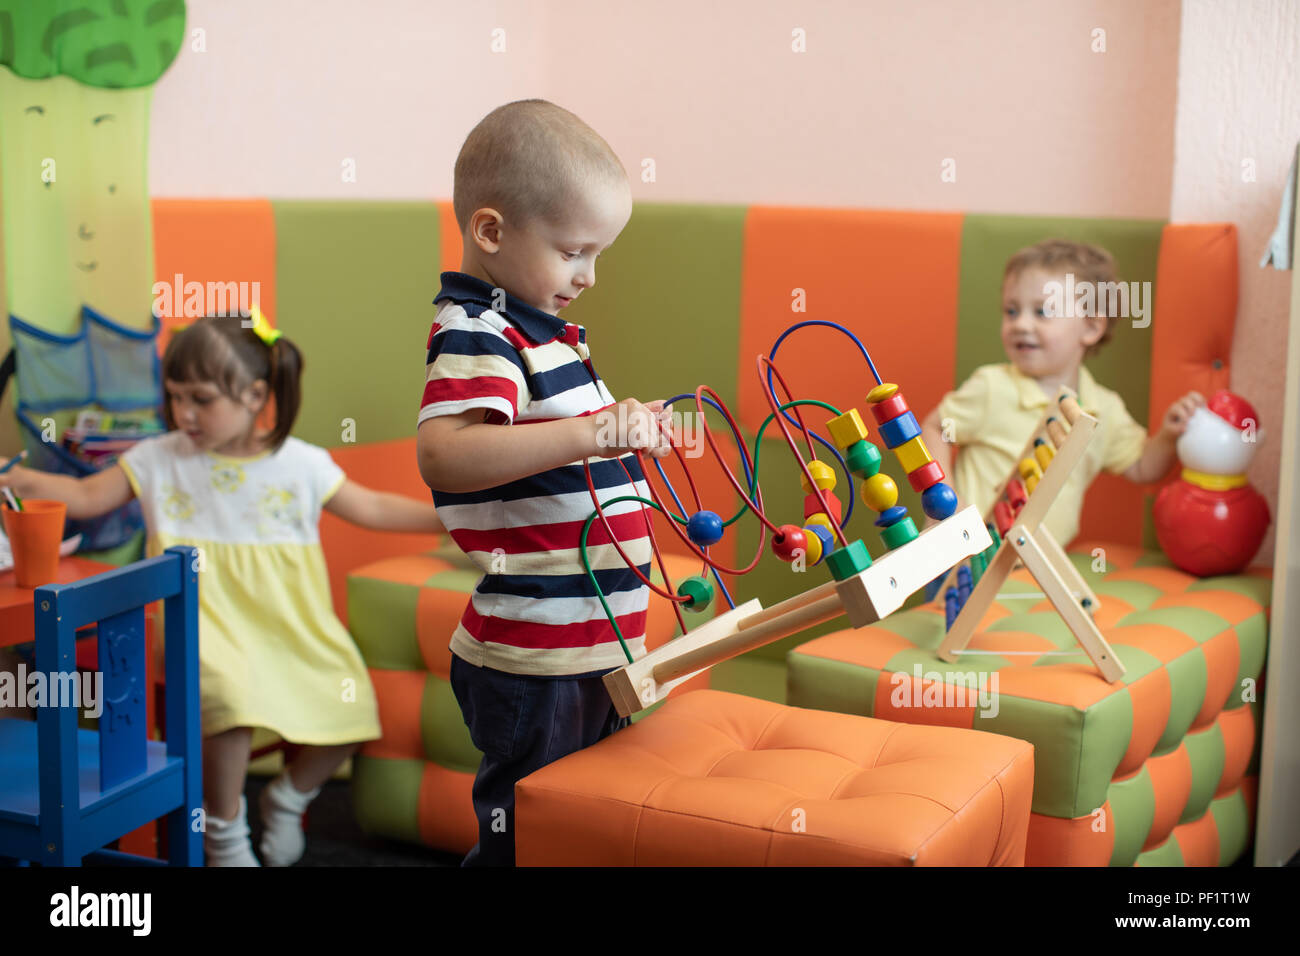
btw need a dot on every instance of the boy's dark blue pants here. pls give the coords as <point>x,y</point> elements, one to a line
<point>521,724</point>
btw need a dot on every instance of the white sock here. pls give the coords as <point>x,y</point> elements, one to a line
<point>282,806</point>
<point>226,842</point>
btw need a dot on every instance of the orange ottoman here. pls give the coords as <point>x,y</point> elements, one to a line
<point>719,779</point>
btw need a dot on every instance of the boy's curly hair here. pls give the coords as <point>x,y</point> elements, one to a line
<point>530,160</point>
<point>1088,264</point>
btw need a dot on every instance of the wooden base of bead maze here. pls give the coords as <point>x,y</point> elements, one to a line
<point>1026,540</point>
<point>866,597</point>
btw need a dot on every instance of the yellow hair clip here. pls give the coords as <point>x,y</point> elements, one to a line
<point>262,329</point>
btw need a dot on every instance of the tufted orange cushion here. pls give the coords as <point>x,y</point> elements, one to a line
<point>720,779</point>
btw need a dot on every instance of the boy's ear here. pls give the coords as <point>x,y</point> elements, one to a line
<point>485,229</point>
<point>1094,327</point>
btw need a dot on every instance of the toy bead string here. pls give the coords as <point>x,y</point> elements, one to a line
<point>834,325</point>
<point>660,468</point>
<point>794,448</point>
<point>677,599</point>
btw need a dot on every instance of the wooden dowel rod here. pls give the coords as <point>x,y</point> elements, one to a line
<point>789,604</point>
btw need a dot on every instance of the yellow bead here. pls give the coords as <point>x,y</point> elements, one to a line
<point>882,392</point>
<point>812,552</point>
<point>822,519</point>
<point>1044,453</point>
<point>822,473</point>
<point>879,492</point>
<point>846,429</point>
<point>1029,466</point>
<point>1031,482</point>
<point>913,454</point>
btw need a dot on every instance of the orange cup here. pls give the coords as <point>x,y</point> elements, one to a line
<point>35,534</point>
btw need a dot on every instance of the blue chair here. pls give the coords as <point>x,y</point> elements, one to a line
<point>66,793</point>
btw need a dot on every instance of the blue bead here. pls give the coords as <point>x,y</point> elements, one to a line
<point>704,528</point>
<point>951,608</point>
<point>891,516</point>
<point>939,501</point>
<point>900,430</point>
<point>827,539</point>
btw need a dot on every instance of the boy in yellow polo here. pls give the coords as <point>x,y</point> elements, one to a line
<point>990,417</point>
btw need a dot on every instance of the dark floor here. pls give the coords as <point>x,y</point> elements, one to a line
<point>335,839</point>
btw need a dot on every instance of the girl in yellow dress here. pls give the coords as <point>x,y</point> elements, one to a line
<point>271,651</point>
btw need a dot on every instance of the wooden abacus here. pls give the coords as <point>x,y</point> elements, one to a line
<point>1039,474</point>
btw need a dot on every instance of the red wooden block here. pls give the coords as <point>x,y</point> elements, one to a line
<point>812,505</point>
<point>889,409</point>
<point>930,473</point>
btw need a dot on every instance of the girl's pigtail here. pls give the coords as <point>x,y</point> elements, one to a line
<point>285,384</point>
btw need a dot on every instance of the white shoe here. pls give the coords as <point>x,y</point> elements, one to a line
<point>282,805</point>
<point>226,842</point>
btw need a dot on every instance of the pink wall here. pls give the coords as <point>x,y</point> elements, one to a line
<point>711,91</point>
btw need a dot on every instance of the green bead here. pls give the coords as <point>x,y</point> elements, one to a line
<point>849,561</point>
<point>978,565</point>
<point>863,459</point>
<point>700,592</point>
<point>997,542</point>
<point>899,533</point>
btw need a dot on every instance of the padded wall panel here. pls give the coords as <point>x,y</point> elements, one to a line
<point>356,287</point>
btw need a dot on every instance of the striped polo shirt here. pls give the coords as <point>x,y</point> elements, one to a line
<point>534,611</point>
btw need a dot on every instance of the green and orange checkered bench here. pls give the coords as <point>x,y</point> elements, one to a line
<point>1158,769</point>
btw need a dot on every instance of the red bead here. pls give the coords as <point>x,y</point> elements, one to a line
<point>812,505</point>
<point>788,540</point>
<point>1016,494</point>
<point>1003,517</point>
<point>889,409</point>
<point>931,473</point>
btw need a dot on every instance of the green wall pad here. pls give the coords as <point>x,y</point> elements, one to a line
<point>355,287</point>
<point>664,315</point>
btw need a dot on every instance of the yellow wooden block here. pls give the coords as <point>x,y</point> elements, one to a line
<point>822,473</point>
<point>881,392</point>
<point>879,492</point>
<point>846,429</point>
<point>822,519</point>
<point>913,454</point>
<point>812,552</point>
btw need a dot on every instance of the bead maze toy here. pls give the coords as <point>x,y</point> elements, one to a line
<point>1014,524</point>
<point>864,589</point>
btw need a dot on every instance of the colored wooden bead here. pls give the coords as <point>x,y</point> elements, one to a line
<point>900,430</point>
<point>913,454</point>
<point>812,505</point>
<point>1044,453</point>
<point>889,409</point>
<point>963,585</point>
<point>928,474</point>
<point>951,608</point>
<point>704,528</point>
<point>881,392</point>
<point>849,561</point>
<point>1030,466</point>
<point>939,501</point>
<point>863,459</point>
<point>879,492</point>
<point>1002,517</point>
<point>822,473</point>
<point>978,565</point>
<point>1016,495</point>
<point>700,592</point>
<point>820,520</point>
<point>847,429</point>
<point>1056,432</point>
<point>1070,409</point>
<point>1031,483</point>
<point>789,539</point>
<point>821,541</point>
<point>812,547</point>
<point>997,541</point>
<point>891,516</point>
<point>899,533</point>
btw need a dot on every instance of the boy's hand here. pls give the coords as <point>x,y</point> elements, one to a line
<point>1180,413</point>
<point>632,426</point>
